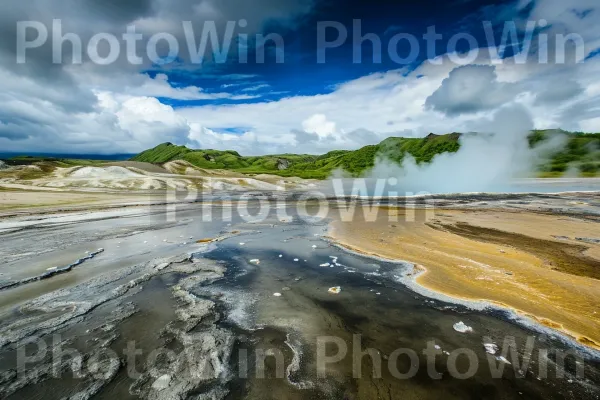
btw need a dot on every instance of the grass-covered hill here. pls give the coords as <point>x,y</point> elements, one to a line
<point>304,165</point>
<point>582,153</point>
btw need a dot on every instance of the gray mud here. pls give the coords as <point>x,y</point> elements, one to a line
<point>208,326</point>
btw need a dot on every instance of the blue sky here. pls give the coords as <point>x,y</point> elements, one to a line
<point>300,105</point>
<point>301,74</point>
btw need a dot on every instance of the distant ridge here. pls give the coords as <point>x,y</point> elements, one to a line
<point>99,157</point>
<point>582,152</point>
<point>306,165</point>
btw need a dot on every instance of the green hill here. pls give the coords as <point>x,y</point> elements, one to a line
<point>304,165</point>
<point>582,152</point>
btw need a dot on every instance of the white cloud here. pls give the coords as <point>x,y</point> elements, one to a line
<point>255,88</point>
<point>319,125</point>
<point>83,109</point>
<point>591,125</point>
<point>471,89</point>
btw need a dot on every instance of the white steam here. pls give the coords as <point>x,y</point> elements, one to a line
<point>488,161</point>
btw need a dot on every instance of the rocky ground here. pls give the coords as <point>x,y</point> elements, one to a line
<point>140,177</point>
<point>205,291</point>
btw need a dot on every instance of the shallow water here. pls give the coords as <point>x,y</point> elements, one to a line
<point>386,315</point>
<point>372,304</point>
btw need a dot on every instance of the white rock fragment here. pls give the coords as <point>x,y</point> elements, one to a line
<point>296,260</point>
<point>437,347</point>
<point>490,348</point>
<point>242,243</point>
<point>462,328</point>
<point>162,382</point>
<point>255,261</point>
<point>314,246</point>
<point>277,294</point>
<point>504,360</point>
<point>324,265</point>
<point>281,256</point>
<point>335,290</point>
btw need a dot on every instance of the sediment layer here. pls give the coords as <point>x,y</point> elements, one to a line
<point>531,263</point>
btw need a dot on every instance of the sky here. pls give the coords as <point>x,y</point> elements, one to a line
<point>312,87</point>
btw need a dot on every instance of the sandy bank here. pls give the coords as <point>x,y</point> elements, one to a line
<point>531,263</point>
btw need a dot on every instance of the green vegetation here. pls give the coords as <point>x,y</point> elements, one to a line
<point>304,165</point>
<point>162,153</point>
<point>580,154</point>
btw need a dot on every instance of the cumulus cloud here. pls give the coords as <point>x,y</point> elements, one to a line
<point>50,107</point>
<point>66,104</point>
<point>319,125</point>
<point>470,89</point>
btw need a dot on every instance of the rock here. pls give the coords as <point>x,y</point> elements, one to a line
<point>335,290</point>
<point>462,327</point>
<point>490,348</point>
<point>162,382</point>
<point>282,164</point>
<point>588,240</point>
<point>504,360</point>
<point>3,165</point>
